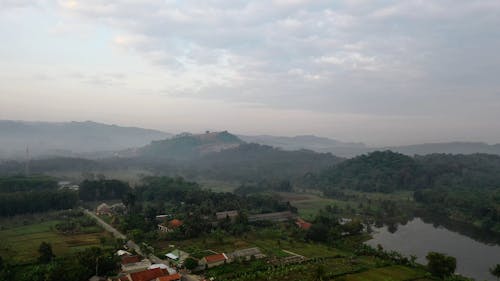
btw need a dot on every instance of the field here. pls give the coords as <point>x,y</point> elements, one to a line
<point>335,268</point>
<point>270,241</point>
<point>309,205</point>
<point>20,243</point>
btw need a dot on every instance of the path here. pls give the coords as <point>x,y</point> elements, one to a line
<point>117,234</point>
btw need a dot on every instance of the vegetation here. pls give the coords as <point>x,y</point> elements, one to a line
<point>441,265</point>
<point>102,189</point>
<point>464,188</point>
<point>495,271</point>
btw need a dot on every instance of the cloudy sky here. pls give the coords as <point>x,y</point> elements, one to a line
<point>382,72</point>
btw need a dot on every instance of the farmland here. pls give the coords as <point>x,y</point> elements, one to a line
<point>20,243</point>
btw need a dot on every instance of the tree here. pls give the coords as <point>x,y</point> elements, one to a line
<point>46,254</point>
<point>1,263</point>
<point>190,263</point>
<point>495,271</point>
<point>319,273</point>
<point>441,265</point>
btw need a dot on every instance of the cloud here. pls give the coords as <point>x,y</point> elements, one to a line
<point>376,58</point>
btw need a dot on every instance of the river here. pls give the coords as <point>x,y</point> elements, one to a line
<point>417,238</point>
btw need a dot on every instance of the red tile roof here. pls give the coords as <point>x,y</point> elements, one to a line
<point>172,277</point>
<point>124,278</point>
<point>303,224</point>
<point>148,275</point>
<point>130,259</point>
<point>215,258</point>
<point>175,223</point>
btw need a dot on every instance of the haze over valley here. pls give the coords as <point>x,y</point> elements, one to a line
<point>287,140</point>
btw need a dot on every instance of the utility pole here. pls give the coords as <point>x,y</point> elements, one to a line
<point>27,164</point>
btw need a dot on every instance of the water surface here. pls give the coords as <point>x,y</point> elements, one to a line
<point>418,238</point>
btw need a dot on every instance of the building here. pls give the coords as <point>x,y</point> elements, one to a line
<point>103,209</point>
<point>177,257</point>
<point>134,263</point>
<point>173,277</point>
<point>302,224</point>
<point>148,275</point>
<point>227,214</point>
<point>170,226</point>
<point>273,217</point>
<point>246,254</point>
<point>214,260</point>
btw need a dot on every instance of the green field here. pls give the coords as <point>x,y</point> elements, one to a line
<point>389,273</point>
<point>335,268</point>
<point>308,205</point>
<point>20,244</point>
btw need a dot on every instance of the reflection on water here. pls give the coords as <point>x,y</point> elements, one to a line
<point>417,238</point>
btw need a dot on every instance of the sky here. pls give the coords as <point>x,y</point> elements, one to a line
<point>381,72</point>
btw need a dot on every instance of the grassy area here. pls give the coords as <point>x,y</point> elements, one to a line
<point>309,205</point>
<point>20,244</point>
<point>335,268</point>
<point>389,273</point>
<point>272,242</point>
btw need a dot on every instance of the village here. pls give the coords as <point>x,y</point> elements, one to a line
<point>178,264</point>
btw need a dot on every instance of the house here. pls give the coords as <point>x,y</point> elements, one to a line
<point>170,226</point>
<point>122,253</point>
<point>227,214</point>
<point>246,254</point>
<point>273,217</point>
<point>177,257</point>
<point>214,260</point>
<point>302,224</point>
<point>172,277</point>
<point>103,209</point>
<point>169,270</point>
<point>148,275</point>
<point>134,263</point>
<point>162,217</point>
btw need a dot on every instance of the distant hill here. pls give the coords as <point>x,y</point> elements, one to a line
<point>447,147</point>
<point>310,142</point>
<point>352,149</point>
<point>69,138</point>
<point>189,146</point>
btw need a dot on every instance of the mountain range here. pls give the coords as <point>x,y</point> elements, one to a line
<point>45,139</point>
<point>96,140</point>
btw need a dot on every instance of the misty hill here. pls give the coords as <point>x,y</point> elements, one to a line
<point>352,149</point>
<point>189,146</point>
<point>310,142</point>
<point>447,147</point>
<point>69,138</point>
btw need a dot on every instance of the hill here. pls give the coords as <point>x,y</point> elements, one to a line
<point>310,142</point>
<point>70,138</point>
<point>387,171</point>
<point>189,146</point>
<point>447,147</point>
<point>252,162</point>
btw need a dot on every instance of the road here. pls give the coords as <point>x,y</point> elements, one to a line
<point>133,245</point>
<point>106,226</point>
<point>118,234</point>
